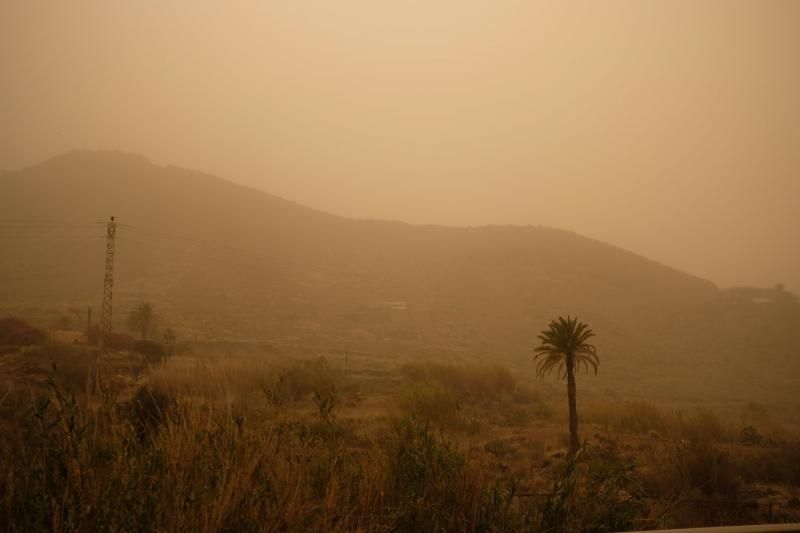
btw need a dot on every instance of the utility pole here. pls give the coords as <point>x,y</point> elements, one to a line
<point>108,283</point>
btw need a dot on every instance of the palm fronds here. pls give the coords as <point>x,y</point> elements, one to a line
<point>565,339</point>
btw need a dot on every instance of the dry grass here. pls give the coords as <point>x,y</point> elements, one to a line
<point>474,382</point>
<point>439,394</point>
<point>86,462</point>
<point>245,444</point>
<point>641,417</point>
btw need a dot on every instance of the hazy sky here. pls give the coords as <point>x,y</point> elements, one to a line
<point>669,128</point>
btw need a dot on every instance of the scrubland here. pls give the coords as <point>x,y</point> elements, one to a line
<point>237,439</point>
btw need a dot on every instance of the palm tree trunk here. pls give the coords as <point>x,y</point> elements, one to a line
<point>574,443</point>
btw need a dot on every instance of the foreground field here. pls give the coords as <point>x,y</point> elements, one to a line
<point>251,438</point>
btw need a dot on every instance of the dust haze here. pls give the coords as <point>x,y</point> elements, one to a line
<point>365,266</point>
<point>668,128</point>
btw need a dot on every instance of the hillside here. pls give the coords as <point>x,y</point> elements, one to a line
<point>222,260</point>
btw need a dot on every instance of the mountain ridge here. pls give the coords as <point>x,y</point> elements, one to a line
<point>115,157</point>
<point>302,247</point>
<point>220,259</point>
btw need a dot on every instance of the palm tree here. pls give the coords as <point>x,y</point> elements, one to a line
<point>564,345</point>
<point>142,318</point>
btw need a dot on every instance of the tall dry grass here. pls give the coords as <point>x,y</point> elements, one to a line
<point>218,447</point>
<point>438,393</point>
<point>248,445</point>
<point>642,417</point>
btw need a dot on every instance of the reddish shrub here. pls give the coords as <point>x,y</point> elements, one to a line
<point>17,332</point>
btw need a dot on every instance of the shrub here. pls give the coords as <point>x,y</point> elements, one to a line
<point>417,458</point>
<point>779,464</point>
<point>634,416</point>
<point>700,426</point>
<point>113,340</point>
<point>16,332</point>
<point>304,378</point>
<point>150,410</point>
<point>431,402</point>
<point>710,469</point>
<point>596,490</point>
<point>643,417</point>
<point>153,352</point>
<point>71,365</point>
<point>749,436</point>
<point>468,382</point>
<point>426,478</point>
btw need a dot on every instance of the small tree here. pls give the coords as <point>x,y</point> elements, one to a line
<point>141,319</point>
<point>564,346</point>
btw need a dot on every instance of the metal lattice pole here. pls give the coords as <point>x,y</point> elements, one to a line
<point>108,283</point>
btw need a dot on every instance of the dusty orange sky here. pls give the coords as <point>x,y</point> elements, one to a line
<point>668,128</point>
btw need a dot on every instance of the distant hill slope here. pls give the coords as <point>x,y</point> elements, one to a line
<point>222,259</point>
